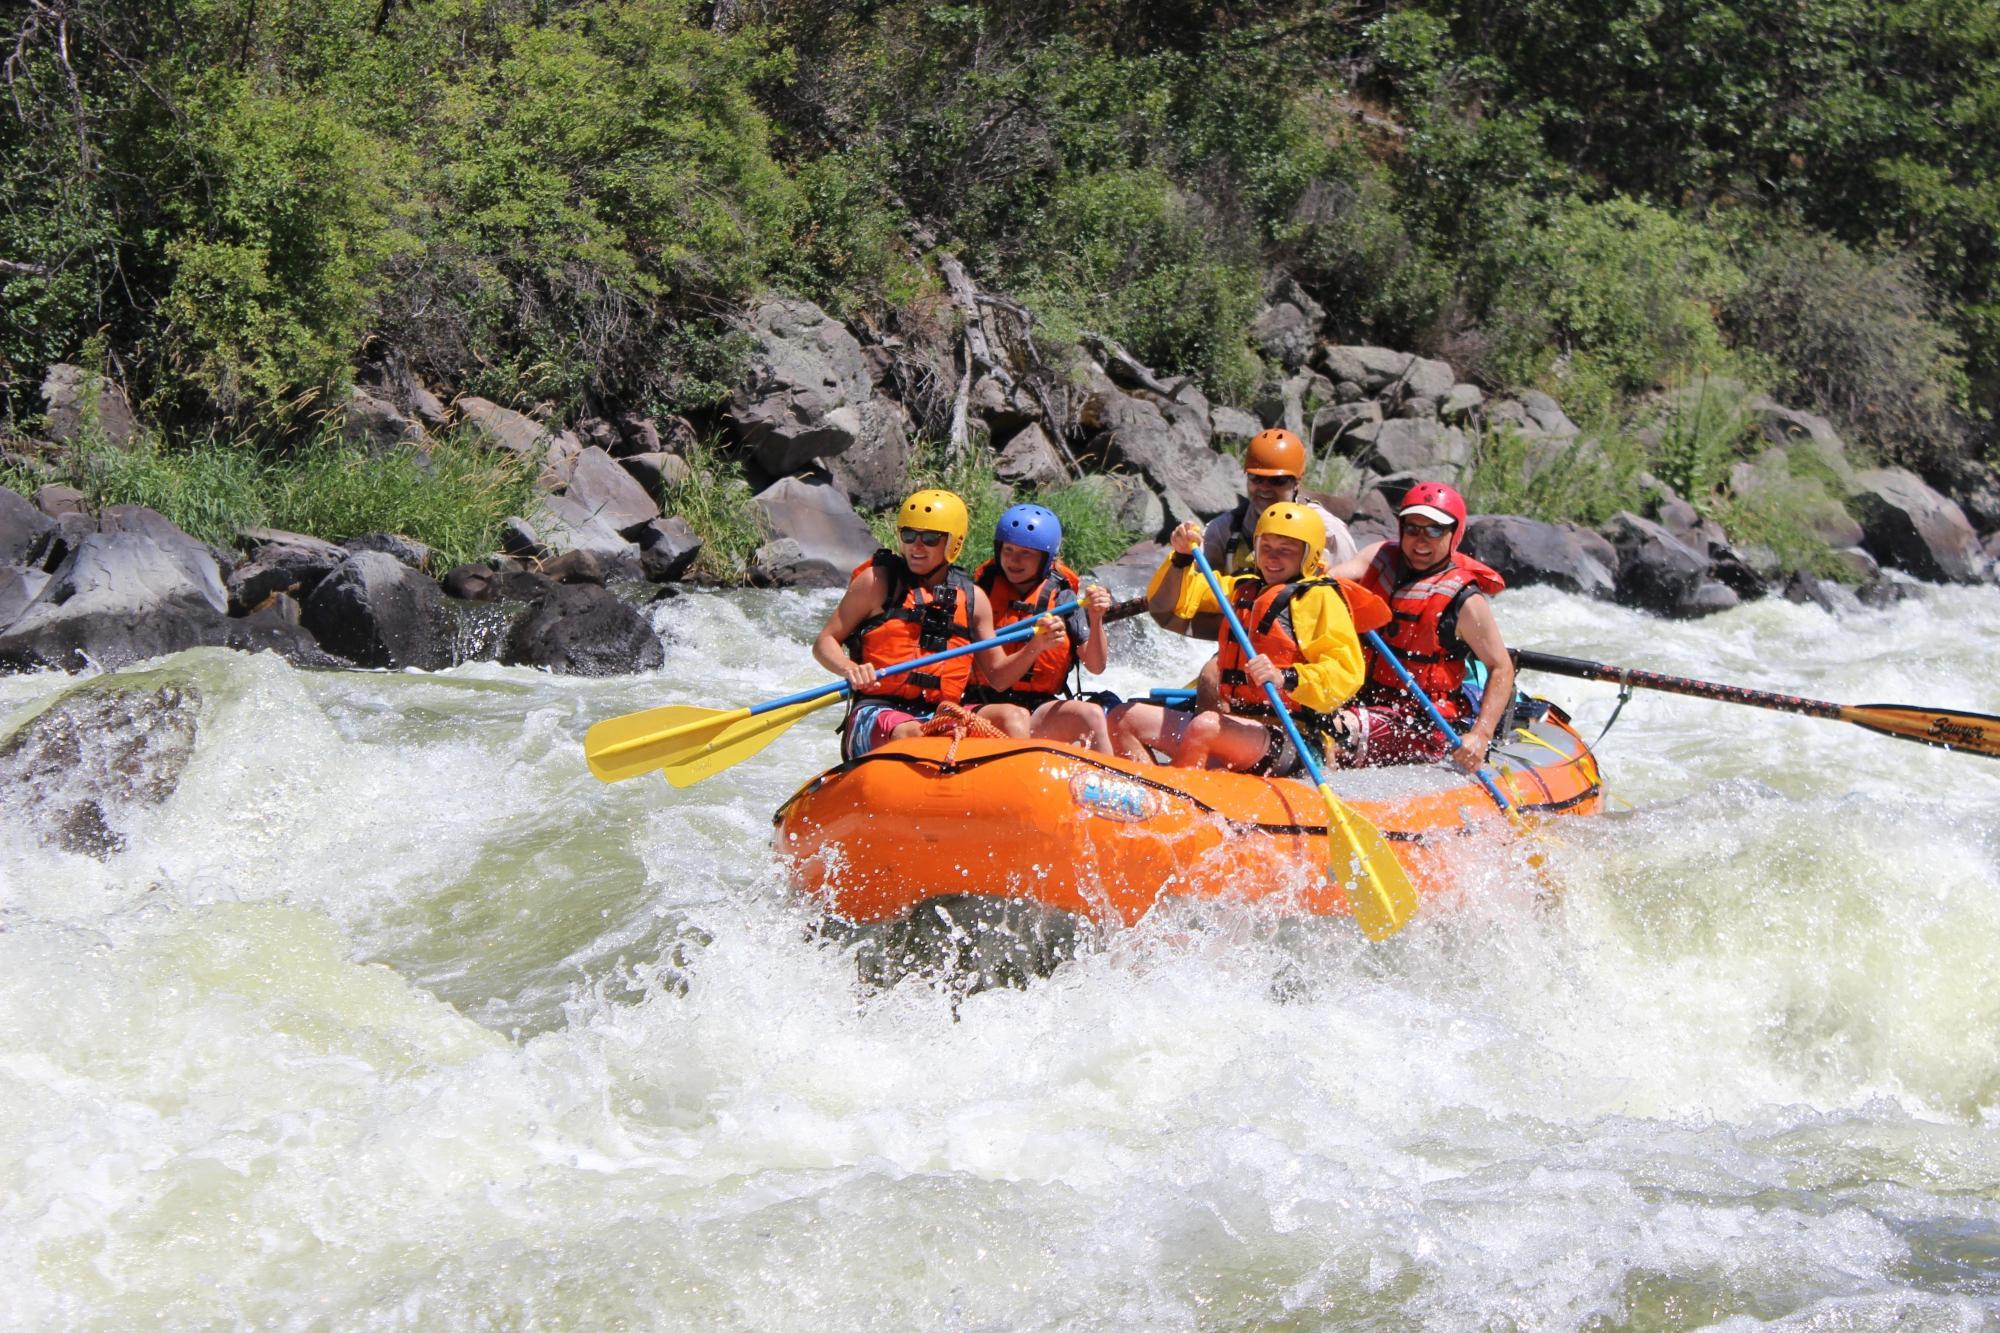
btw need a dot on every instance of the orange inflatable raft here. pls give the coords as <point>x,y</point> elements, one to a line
<point>936,818</point>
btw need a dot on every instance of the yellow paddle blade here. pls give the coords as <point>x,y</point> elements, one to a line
<point>737,742</point>
<point>624,747</point>
<point>1381,895</point>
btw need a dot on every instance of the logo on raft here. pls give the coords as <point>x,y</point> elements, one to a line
<point>1109,796</point>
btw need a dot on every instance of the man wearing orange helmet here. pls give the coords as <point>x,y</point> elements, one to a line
<point>908,604</point>
<point>1304,628</point>
<point>1273,467</point>
<point>1441,599</point>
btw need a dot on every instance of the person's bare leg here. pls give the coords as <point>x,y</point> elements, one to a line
<point>1012,719</point>
<point>1139,729</point>
<point>1073,721</point>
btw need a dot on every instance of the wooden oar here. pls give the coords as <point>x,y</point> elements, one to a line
<point>1974,733</point>
<point>1380,894</point>
<point>694,743</point>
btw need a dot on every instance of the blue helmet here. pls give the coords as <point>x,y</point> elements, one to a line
<point>1031,526</point>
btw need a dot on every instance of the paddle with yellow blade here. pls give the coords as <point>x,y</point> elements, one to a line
<point>1974,733</point>
<point>690,743</point>
<point>1377,889</point>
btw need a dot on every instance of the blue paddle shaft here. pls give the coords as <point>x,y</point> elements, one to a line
<point>1484,774</point>
<point>1012,634</point>
<point>1249,651</point>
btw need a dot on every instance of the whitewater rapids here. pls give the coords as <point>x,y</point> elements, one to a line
<point>388,1015</point>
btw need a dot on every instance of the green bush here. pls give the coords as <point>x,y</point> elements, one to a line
<point>1578,481</point>
<point>1628,294</point>
<point>1126,254</point>
<point>1852,336</point>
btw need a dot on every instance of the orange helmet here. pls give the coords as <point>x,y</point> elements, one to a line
<point>1276,453</point>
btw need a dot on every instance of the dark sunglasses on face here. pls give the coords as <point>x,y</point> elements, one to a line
<point>1432,530</point>
<point>1274,483</point>
<point>911,536</point>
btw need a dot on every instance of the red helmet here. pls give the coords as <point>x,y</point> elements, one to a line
<point>1437,502</point>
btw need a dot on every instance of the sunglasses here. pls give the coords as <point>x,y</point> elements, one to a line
<point>1432,530</point>
<point>1272,483</point>
<point>912,536</point>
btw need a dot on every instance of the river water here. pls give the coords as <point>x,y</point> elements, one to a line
<point>385,1014</point>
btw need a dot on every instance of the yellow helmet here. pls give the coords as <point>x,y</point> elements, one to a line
<point>1301,523</point>
<point>937,511</point>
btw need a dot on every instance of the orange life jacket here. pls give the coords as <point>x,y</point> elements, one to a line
<point>1266,613</point>
<point>916,621</point>
<point>1047,678</point>
<point>1424,632</point>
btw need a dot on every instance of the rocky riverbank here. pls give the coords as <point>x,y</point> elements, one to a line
<point>824,423</point>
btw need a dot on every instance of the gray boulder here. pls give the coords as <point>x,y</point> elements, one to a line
<point>279,568</point>
<point>561,524</point>
<point>807,391</point>
<point>408,550</point>
<point>1657,571</point>
<point>1810,590</point>
<point>1173,454</point>
<point>560,451</point>
<point>378,612</point>
<point>1134,505</point>
<point>1373,368</point>
<point>873,470</point>
<point>1339,426</point>
<point>583,630</point>
<point>817,539</point>
<point>56,500</point>
<point>123,597</point>
<point>1284,333</point>
<point>1526,551</point>
<point>1422,447</point>
<point>1233,423</point>
<point>1547,415</point>
<point>75,397</point>
<point>19,587</point>
<point>1429,379</point>
<point>502,428</point>
<point>1911,526</point>
<point>1460,403</point>
<point>78,773</point>
<point>23,528</point>
<point>667,549</point>
<point>1029,459</point>
<point>602,486</point>
<point>375,423</point>
<point>657,472</point>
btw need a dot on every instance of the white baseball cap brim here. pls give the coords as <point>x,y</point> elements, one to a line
<point>1430,512</point>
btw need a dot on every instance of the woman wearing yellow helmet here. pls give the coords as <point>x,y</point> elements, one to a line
<point>1305,630</point>
<point>908,603</point>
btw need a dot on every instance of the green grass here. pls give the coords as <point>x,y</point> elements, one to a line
<point>1091,534</point>
<point>1587,482</point>
<point>717,504</point>
<point>452,497</point>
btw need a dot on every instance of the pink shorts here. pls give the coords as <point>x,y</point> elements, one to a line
<point>1370,735</point>
<point>871,723</point>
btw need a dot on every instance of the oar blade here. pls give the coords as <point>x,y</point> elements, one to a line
<point>736,742</point>
<point>624,747</point>
<point>1361,861</point>
<point>1974,733</point>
